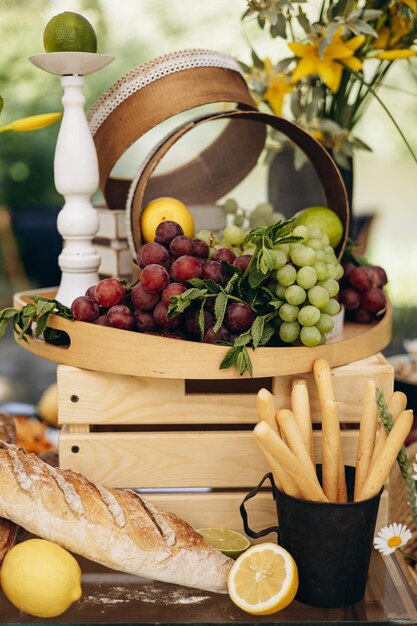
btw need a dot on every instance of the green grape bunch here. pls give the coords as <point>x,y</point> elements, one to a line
<point>307,285</point>
<point>301,275</point>
<point>263,214</point>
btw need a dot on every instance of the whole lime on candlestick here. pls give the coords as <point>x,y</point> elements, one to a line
<point>69,32</point>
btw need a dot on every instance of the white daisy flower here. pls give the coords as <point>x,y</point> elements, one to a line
<point>415,469</point>
<point>391,537</point>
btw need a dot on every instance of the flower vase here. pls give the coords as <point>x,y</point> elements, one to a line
<point>292,188</point>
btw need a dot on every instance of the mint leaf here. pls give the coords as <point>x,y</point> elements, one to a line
<point>7,314</point>
<point>210,285</point>
<point>200,320</point>
<point>229,286</point>
<point>41,324</point>
<point>243,362</point>
<point>268,332</point>
<point>256,277</point>
<point>182,302</point>
<point>220,309</point>
<point>230,358</point>
<point>257,330</point>
<point>193,294</point>
<point>243,339</point>
<point>45,306</point>
<point>265,261</point>
<point>3,326</point>
<point>276,304</point>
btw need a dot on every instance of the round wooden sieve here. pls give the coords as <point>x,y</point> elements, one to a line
<point>155,92</point>
<point>208,171</point>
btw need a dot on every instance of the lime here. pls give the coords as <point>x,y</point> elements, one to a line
<point>69,32</point>
<point>230,542</point>
<point>326,219</point>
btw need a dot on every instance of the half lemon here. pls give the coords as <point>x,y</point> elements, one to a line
<point>263,580</point>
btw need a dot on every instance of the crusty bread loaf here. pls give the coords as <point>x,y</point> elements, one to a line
<point>114,527</point>
<point>8,530</point>
<point>7,428</point>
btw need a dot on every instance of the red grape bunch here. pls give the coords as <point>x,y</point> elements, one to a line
<point>362,292</point>
<point>167,264</point>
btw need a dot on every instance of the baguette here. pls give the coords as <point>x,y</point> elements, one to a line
<point>8,530</point>
<point>114,527</point>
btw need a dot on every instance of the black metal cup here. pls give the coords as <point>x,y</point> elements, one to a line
<point>331,543</point>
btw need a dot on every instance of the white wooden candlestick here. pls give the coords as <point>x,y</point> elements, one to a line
<point>76,172</point>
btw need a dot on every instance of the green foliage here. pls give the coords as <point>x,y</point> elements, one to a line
<point>32,319</point>
<point>404,464</point>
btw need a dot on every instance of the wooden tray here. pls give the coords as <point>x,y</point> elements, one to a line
<point>117,351</point>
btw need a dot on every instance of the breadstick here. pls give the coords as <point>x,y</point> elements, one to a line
<point>366,441</point>
<point>289,429</point>
<point>265,404</point>
<point>331,449</point>
<point>271,441</point>
<point>396,404</point>
<point>300,404</point>
<point>323,378</point>
<point>389,453</point>
<point>282,479</point>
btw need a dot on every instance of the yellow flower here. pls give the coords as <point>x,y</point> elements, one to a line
<point>390,37</point>
<point>392,55</point>
<point>330,66</point>
<point>278,87</point>
<point>412,4</point>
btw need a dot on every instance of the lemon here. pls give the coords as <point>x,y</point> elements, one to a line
<point>162,209</point>
<point>230,542</point>
<point>47,407</point>
<point>263,580</point>
<point>69,32</point>
<point>326,219</point>
<point>40,578</point>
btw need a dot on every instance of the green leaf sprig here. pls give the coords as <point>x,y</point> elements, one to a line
<point>32,319</point>
<point>403,461</point>
<point>246,287</point>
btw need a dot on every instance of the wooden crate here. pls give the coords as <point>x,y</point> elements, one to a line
<point>190,443</point>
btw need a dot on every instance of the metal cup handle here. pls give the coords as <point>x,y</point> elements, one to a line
<point>244,514</point>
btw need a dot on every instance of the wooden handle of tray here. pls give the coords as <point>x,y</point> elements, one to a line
<point>154,103</point>
<point>218,165</point>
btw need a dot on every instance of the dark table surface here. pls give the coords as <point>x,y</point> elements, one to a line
<point>115,598</point>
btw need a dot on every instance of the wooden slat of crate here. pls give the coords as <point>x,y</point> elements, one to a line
<point>222,509</point>
<point>216,459</point>
<point>102,398</point>
<point>219,509</point>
